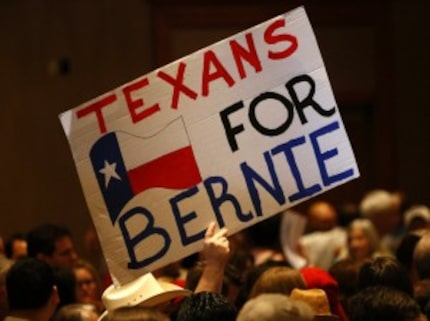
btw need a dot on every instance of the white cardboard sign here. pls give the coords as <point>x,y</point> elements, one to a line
<point>233,133</point>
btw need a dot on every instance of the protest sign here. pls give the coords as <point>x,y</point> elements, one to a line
<point>233,133</point>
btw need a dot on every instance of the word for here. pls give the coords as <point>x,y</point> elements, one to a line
<point>294,105</point>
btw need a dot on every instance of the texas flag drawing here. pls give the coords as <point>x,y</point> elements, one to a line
<point>126,165</point>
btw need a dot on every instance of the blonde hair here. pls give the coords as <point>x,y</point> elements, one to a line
<point>76,312</point>
<point>84,264</point>
<point>137,313</point>
<point>278,279</point>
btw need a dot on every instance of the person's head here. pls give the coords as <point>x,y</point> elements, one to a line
<point>30,286</point>
<point>322,216</point>
<point>417,217</point>
<point>386,271</point>
<point>382,208</point>
<point>76,312</point>
<point>138,314</point>
<point>280,279</point>
<point>206,306</point>
<point>363,239</point>
<point>66,285</point>
<point>232,279</point>
<point>52,244</point>
<point>237,268</point>
<point>422,294</point>
<point>405,251</point>
<point>275,307</point>
<point>16,246</point>
<point>383,303</point>
<point>422,257</point>
<point>251,277</point>
<point>87,282</point>
<point>345,272</point>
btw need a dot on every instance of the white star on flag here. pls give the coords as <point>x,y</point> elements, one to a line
<point>109,171</point>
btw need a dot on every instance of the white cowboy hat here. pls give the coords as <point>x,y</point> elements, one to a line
<point>144,291</point>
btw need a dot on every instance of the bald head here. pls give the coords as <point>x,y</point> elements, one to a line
<point>322,216</point>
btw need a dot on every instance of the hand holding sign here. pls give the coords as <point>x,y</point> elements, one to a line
<point>216,248</point>
<point>215,252</point>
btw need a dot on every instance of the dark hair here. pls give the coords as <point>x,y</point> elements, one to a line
<point>195,273</point>
<point>42,239</point>
<point>386,271</point>
<point>64,278</point>
<point>421,256</point>
<point>345,272</point>
<point>405,250</point>
<point>426,310</point>
<point>206,306</point>
<point>29,284</point>
<point>378,303</point>
<point>234,273</point>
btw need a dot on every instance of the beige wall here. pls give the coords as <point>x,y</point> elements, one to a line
<point>412,69</point>
<point>107,43</point>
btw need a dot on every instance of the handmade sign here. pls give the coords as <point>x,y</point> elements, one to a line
<point>233,133</point>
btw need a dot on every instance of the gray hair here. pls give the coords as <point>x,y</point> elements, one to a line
<point>275,307</point>
<point>375,203</point>
<point>369,231</point>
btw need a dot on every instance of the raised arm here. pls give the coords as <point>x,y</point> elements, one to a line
<point>216,252</point>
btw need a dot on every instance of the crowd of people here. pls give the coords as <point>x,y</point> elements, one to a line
<point>368,263</point>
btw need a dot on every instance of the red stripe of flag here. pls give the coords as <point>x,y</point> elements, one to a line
<point>176,170</point>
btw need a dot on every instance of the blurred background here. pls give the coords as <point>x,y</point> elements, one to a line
<point>57,54</point>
